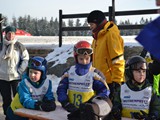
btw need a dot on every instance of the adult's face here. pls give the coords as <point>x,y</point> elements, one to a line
<point>158,2</point>
<point>92,26</point>
<point>10,36</point>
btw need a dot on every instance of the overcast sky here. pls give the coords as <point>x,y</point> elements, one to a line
<point>50,8</point>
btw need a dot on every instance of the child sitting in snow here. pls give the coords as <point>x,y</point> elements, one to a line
<point>83,91</point>
<point>34,91</point>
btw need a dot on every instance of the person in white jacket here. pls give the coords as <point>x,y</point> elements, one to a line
<point>14,60</point>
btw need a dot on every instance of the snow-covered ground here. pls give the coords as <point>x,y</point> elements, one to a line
<point>49,42</point>
<point>60,54</point>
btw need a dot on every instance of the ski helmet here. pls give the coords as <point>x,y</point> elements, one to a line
<point>133,63</point>
<point>38,63</point>
<point>82,48</point>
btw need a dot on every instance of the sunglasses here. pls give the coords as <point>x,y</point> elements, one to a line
<point>84,51</point>
<point>34,63</point>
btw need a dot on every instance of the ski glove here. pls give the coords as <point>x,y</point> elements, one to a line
<point>47,106</point>
<point>144,116</point>
<point>37,105</point>
<point>151,118</point>
<point>116,114</point>
<point>69,107</point>
<point>74,115</point>
<point>138,115</point>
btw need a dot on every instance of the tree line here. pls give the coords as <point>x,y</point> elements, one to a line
<point>43,27</point>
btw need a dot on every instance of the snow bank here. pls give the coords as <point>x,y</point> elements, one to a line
<point>50,42</point>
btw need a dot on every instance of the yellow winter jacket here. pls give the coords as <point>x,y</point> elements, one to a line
<point>108,52</point>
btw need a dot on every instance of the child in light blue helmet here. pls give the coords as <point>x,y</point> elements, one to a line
<point>34,91</point>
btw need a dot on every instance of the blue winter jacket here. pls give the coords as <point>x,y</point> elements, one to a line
<point>25,93</point>
<point>98,86</point>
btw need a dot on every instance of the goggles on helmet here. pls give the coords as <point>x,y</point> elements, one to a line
<point>34,63</point>
<point>84,51</point>
<point>139,66</point>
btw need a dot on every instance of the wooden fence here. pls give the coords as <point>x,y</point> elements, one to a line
<point>109,14</point>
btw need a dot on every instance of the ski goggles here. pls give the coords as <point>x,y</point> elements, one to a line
<point>34,63</point>
<point>139,66</point>
<point>84,51</point>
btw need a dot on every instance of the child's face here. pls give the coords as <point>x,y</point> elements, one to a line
<point>34,75</point>
<point>84,59</point>
<point>139,74</point>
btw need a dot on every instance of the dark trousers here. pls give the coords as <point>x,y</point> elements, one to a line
<point>5,89</point>
<point>111,91</point>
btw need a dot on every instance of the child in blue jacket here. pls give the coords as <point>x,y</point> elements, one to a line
<point>83,91</point>
<point>34,91</point>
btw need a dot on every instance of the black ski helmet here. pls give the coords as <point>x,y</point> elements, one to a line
<point>132,64</point>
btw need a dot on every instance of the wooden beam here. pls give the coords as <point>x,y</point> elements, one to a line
<point>113,10</point>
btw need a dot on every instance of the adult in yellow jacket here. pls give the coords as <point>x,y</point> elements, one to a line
<point>108,49</point>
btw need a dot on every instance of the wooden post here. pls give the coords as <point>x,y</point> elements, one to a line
<point>110,13</point>
<point>113,10</point>
<point>1,32</point>
<point>60,28</point>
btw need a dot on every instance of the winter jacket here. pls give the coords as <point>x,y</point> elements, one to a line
<point>14,71</point>
<point>30,92</point>
<point>84,86</point>
<point>144,90</point>
<point>156,84</point>
<point>108,51</point>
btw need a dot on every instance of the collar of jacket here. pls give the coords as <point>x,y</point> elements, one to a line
<point>98,28</point>
<point>135,86</point>
<point>83,69</point>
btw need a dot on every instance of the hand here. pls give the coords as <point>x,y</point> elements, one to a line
<point>74,115</point>
<point>69,107</point>
<point>116,114</point>
<point>45,106</point>
<point>37,105</point>
<point>138,115</point>
<point>152,117</point>
<point>48,105</point>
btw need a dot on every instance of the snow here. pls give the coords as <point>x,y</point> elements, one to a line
<point>50,42</point>
<point>55,81</point>
<point>60,54</point>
